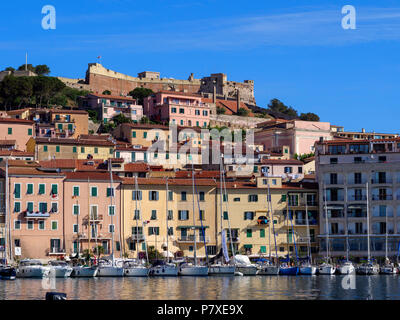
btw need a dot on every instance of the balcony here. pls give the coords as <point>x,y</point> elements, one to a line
<point>357,197</point>
<point>55,251</point>
<point>100,236</point>
<point>378,197</point>
<point>190,239</point>
<point>137,237</point>
<point>303,222</point>
<point>94,218</point>
<point>37,215</point>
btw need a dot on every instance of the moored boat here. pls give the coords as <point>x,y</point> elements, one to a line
<point>222,269</point>
<point>7,273</point>
<point>29,268</point>
<point>346,268</point>
<point>308,269</point>
<point>368,268</point>
<point>108,268</point>
<point>189,269</point>
<point>59,269</point>
<point>163,269</point>
<point>84,271</point>
<point>326,269</point>
<point>244,266</point>
<point>133,268</point>
<point>286,270</point>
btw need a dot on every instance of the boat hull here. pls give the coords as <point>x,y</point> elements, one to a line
<point>110,272</point>
<point>136,272</point>
<point>224,270</point>
<point>8,273</point>
<point>309,270</point>
<point>289,271</point>
<point>326,270</point>
<point>60,272</point>
<point>388,270</point>
<point>247,270</point>
<point>268,271</point>
<point>32,272</point>
<point>362,270</point>
<point>84,272</point>
<point>347,269</point>
<point>163,271</point>
<point>193,271</point>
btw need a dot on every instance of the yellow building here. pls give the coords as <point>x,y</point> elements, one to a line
<point>54,148</point>
<point>71,123</point>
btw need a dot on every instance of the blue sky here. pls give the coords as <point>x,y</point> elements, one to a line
<point>295,51</point>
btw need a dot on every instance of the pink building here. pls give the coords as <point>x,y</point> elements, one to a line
<point>91,215</point>
<point>35,205</point>
<point>299,135</point>
<point>179,108</point>
<point>17,129</point>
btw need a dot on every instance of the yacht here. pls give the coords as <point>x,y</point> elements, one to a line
<point>189,269</point>
<point>244,266</point>
<point>109,268</point>
<point>162,268</point>
<point>60,269</point>
<point>267,268</point>
<point>28,268</point>
<point>346,268</point>
<point>368,268</point>
<point>132,268</point>
<point>84,271</point>
<point>286,270</point>
<point>7,273</point>
<point>223,269</point>
<point>388,268</point>
<point>308,269</point>
<point>326,269</point>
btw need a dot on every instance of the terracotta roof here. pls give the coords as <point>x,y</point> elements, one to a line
<point>145,126</point>
<point>16,121</point>
<point>28,171</point>
<point>282,161</point>
<point>230,106</point>
<point>77,164</point>
<point>136,167</point>
<point>179,93</point>
<point>111,97</point>
<point>21,163</point>
<point>7,142</point>
<point>18,111</point>
<point>94,136</point>
<point>197,174</point>
<point>17,153</point>
<point>80,175</point>
<point>69,111</point>
<point>79,142</point>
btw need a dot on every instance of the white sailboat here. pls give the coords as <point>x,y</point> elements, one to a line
<point>59,269</point>
<point>193,269</point>
<point>388,267</point>
<point>84,271</point>
<point>326,268</point>
<point>165,268</point>
<point>29,268</point>
<point>110,267</point>
<point>223,267</point>
<point>368,268</point>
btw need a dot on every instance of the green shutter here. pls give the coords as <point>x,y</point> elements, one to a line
<point>70,127</point>
<point>30,188</point>
<point>30,207</point>
<point>145,135</point>
<point>45,148</point>
<point>94,192</point>
<point>96,150</point>
<point>41,188</point>
<point>17,190</point>
<point>249,233</point>
<point>54,189</point>
<point>57,148</point>
<point>9,130</point>
<point>82,149</point>
<point>133,134</point>
<point>262,233</point>
<point>17,206</point>
<point>29,132</point>
<point>76,191</point>
<point>283,199</point>
<point>109,192</point>
<point>263,249</point>
<point>74,149</point>
<point>225,215</point>
<point>76,209</point>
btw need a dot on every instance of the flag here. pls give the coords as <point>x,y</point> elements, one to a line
<point>99,57</point>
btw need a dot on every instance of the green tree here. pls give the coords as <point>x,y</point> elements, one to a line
<point>93,115</point>
<point>221,110</point>
<point>28,66</point>
<point>153,254</point>
<point>9,69</point>
<point>140,93</point>
<point>107,92</point>
<point>278,106</point>
<point>145,120</point>
<point>309,116</point>
<point>120,118</point>
<point>243,112</point>
<point>42,70</point>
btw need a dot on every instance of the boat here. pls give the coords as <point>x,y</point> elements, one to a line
<point>388,269</point>
<point>221,269</point>
<point>287,270</point>
<point>346,267</point>
<point>326,268</point>
<point>163,269</point>
<point>189,269</point>
<point>84,271</point>
<point>244,266</point>
<point>306,268</point>
<point>7,273</point>
<point>368,268</point>
<point>109,268</point>
<point>133,268</point>
<point>59,269</point>
<point>267,268</point>
<point>30,268</point>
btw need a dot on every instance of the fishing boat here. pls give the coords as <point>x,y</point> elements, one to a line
<point>59,269</point>
<point>326,268</point>
<point>163,269</point>
<point>7,273</point>
<point>84,271</point>
<point>133,268</point>
<point>244,266</point>
<point>29,268</point>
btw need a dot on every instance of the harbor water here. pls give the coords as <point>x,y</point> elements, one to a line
<point>378,287</point>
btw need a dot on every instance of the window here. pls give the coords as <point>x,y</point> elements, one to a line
<point>333,160</point>
<point>225,197</point>
<point>9,130</point>
<point>170,215</point>
<point>262,233</point>
<point>75,228</point>
<point>183,215</point>
<point>41,225</point>
<point>202,196</point>
<point>110,192</point>
<point>76,191</point>
<point>249,233</point>
<point>336,149</point>
<point>29,188</point>
<point>74,149</point>
<point>205,113</point>
<point>54,207</point>
<point>30,225</point>
<point>17,191</point>
<point>42,207</point>
<point>153,215</point>
<point>82,149</point>
<point>225,215</point>
<point>183,196</point>
<point>75,209</point>
<point>170,196</point>
<point>96,150</point>
<point>133,134</point>
<point>111,228</point>
<point>17,225</point>
<point>299,169</point>
<point>170,231</point>
<point>263,249</point>
<point>136,214</point>
<point>111,210</point>
<point>54,189</point>
<point>136,195</point>
<point>197,112</point>
<point>54,225</point>
<point>29,132</point>
<point>253,197</point>
<point>29,206</point>
<point>57,148</point>
<point>17,207</point>
<point>45,148</point>
<point>93,191</point>
<point>42,188</point>
<point>202,215</point>
<point>181,110</point>
<point>173,110</point>
<point>154,231</point>
<point>153,195</point>
<point>249,215</point>
<point>288,169</point>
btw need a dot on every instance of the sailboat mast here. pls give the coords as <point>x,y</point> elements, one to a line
<point>308,231</point>
<point>227,210</point>
<point>326,226</point>
<point>7,236</point>
<point>269,215</point>
<point>369,253</point>
<point>112,233</point>
<point>386,240</point>
<point>194,220</point>
<point>166,206</point>
<point>136,218</point>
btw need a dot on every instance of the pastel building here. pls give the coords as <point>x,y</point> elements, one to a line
<point>178,108</point>
<point>19,130</point>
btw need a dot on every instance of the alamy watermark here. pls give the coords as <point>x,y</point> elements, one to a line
<point>49,20</point>
<point>349,20</point>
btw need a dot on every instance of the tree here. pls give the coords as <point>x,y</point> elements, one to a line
<point>221,110</point>
<point>120,118</point>
<point>107,92</point>
<point>42,70</point>
<point>145,120</point>
<point>309,116</point>
<point>28,66</point>
<point>9,69</point>
<point>93,115</point>
<point>140,93</point>
<point>153,254</point>
<point>243,112</point>
<point>278,106</point>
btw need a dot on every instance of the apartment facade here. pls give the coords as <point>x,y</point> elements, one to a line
<point>360,180</point>
<point>69,123</point>
<point>19,130</point>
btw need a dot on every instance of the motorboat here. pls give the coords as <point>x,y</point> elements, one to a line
<point>222,269</point>
<point>244,266</point>
<point>60,269</point>
<point>189,269</point>
<point>7,273</point>
<point>161,268</point>
<point>84,271</point>
<point>346,268</point>
<point>286,270</point>
<point>29,268</point>
<point>368,268</point>
<point>308,269</point>
<point>109,268</point>
<point>326,269</point>
<point>133,268</point>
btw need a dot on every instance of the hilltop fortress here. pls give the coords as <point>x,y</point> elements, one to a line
<point>99,79</point>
